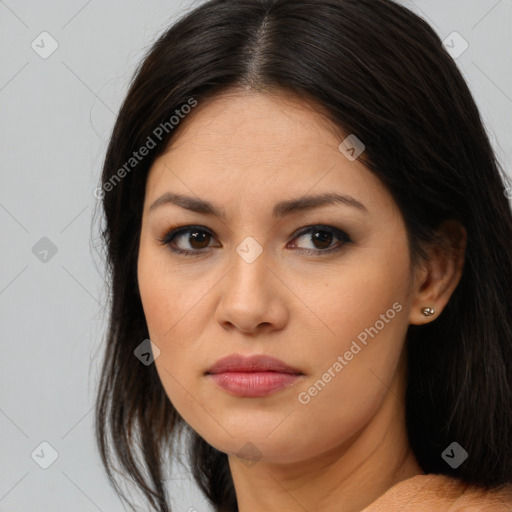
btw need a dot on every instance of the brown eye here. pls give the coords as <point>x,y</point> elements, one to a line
<point>197,239</point>
<point>188,240</point>
<point>322,237</point>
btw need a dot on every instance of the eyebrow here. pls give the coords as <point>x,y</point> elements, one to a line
<point>280,209</point>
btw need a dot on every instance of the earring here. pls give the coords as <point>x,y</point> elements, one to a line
<point>427,311</point>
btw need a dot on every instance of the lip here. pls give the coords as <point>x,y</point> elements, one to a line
<point>252,376</point>
<point>252,363</point>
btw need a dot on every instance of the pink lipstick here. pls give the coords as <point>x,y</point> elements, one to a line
<point>252,376</point>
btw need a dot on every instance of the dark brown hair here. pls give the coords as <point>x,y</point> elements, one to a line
<point>379,72</point>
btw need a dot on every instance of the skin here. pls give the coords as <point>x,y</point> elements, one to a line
<point>245,151</point>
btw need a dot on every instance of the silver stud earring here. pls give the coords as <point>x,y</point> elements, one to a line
<point>427,311</point>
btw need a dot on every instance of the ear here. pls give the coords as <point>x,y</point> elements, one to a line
<point>436,279</point>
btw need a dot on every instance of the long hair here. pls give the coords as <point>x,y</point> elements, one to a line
<point>379,72</point>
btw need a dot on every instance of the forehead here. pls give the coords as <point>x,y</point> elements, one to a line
<point>256,146</point>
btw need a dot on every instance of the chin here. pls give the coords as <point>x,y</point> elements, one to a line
<point>253,444</point>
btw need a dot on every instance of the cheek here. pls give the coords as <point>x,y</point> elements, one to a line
<point>174,310</point>
<point>357,298</point>
<point>168,298</point>
<point>363,313</point>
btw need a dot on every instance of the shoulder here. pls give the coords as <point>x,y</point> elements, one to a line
<point>438,493</point>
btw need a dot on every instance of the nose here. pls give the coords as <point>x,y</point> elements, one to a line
<point>252,297</point>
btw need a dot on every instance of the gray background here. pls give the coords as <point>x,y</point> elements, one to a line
<point>55,117</point>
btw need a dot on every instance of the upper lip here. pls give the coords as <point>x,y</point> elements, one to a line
<point>252,363</point>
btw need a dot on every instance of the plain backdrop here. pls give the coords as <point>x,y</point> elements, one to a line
<point>56,112</point>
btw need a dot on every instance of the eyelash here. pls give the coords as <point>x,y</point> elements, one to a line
<point>175,231</point>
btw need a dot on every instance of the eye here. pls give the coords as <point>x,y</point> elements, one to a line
<point>195,240</point>
<point>321,237</point>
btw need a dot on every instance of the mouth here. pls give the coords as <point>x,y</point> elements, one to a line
<point>253,376</point>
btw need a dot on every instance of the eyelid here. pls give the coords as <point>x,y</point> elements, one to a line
<point>342,236</point>
<point>174,231</point>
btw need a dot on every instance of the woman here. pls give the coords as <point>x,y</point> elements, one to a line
<point>309,248</point>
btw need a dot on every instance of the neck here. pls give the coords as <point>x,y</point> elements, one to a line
<point>347,478</point>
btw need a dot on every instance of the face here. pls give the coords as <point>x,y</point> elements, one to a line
<point>325,288</point>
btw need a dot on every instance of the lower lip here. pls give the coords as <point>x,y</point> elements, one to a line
<point>253,384</point>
